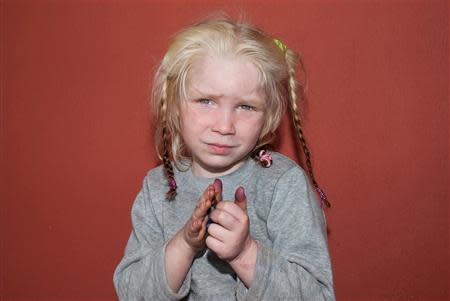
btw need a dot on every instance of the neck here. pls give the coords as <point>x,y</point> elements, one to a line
<point>200,171</point>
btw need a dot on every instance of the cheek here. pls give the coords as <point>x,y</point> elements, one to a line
<point>193,121</point>
<point>192,114</point>
<point>252,127</point>
<point>259,128</point>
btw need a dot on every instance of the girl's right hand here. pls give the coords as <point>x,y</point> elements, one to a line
<point>188,242</point>
<point>191,238</point>
<point>194,231</point>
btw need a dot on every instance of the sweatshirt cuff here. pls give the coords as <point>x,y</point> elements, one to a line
<point>261,275</point>
<point>165,292</point>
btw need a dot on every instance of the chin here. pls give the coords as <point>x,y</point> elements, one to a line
<point>220,165</point>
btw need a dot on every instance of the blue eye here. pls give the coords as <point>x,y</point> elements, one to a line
<point>247,107</point>
<point>205,101</point>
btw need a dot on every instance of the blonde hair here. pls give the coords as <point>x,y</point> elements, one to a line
<point>220,37</point>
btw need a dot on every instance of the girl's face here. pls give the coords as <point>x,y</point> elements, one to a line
<point>223,115</point>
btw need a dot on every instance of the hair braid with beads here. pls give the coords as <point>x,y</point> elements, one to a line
<point>296,93</point>
<point>168,168</point>
<point>217,37</point>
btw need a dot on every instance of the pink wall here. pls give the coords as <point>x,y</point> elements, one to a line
<point>76,143</point>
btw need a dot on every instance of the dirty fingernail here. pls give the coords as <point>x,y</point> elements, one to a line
<point>240,194</point>
<point>217,184</point>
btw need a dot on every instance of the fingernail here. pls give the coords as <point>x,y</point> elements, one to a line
<point>217,184</point>
<point>239,195</point>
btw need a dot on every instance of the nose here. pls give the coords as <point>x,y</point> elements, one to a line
<point>224,122</point>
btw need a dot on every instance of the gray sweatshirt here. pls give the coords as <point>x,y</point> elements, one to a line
<point>285,219</point>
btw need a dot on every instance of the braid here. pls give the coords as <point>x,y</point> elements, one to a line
<point>295,114</point>
<point>168,168</point>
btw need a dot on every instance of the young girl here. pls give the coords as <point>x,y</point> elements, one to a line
<point>222,218</point>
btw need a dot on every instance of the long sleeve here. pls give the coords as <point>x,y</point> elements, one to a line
<point>141,273</point>
<point>295,264</point>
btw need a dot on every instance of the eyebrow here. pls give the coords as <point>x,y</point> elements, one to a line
<point>211,95</point>
<point>251,99</point>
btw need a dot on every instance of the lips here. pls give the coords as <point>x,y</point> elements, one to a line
<point>220,149</point>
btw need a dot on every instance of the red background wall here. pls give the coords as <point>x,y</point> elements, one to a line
<point>76,140</point>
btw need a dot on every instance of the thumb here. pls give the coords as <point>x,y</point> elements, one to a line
<point>218,190</point>
<point>240,198</point>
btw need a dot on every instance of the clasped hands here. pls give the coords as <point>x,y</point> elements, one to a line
<point>228,234</point>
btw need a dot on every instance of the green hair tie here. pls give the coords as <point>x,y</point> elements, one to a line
<point>280,45</point>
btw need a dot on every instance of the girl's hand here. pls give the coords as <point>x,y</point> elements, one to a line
<point>229,234</point>
<point>194,231</point>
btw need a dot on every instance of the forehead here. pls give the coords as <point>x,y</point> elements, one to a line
<point>230,76</point>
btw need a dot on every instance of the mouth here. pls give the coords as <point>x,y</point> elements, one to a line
<point>219,149</point>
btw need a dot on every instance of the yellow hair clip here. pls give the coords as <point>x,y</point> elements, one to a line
<point>280,45</point>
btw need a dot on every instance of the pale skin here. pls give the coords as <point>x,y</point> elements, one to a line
<point>228,237</point>
<point>188,242</point>
<point>221,123</point>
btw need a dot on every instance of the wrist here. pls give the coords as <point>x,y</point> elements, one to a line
<point>181,244</point>
<point>247,257</point>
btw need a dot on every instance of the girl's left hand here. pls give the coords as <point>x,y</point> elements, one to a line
<point>229,234</point>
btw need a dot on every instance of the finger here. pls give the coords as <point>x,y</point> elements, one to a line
<point>201,210</point>
<point>204,203</point>
<point>232,208</point>
<point>214,244</point>
<point>203,229</point>
<point>195,227</point>
<point>211,192</point>
<point>218,232</point>
<point>225,218</point>
<point>218,187</point>
<point>240,198</point>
